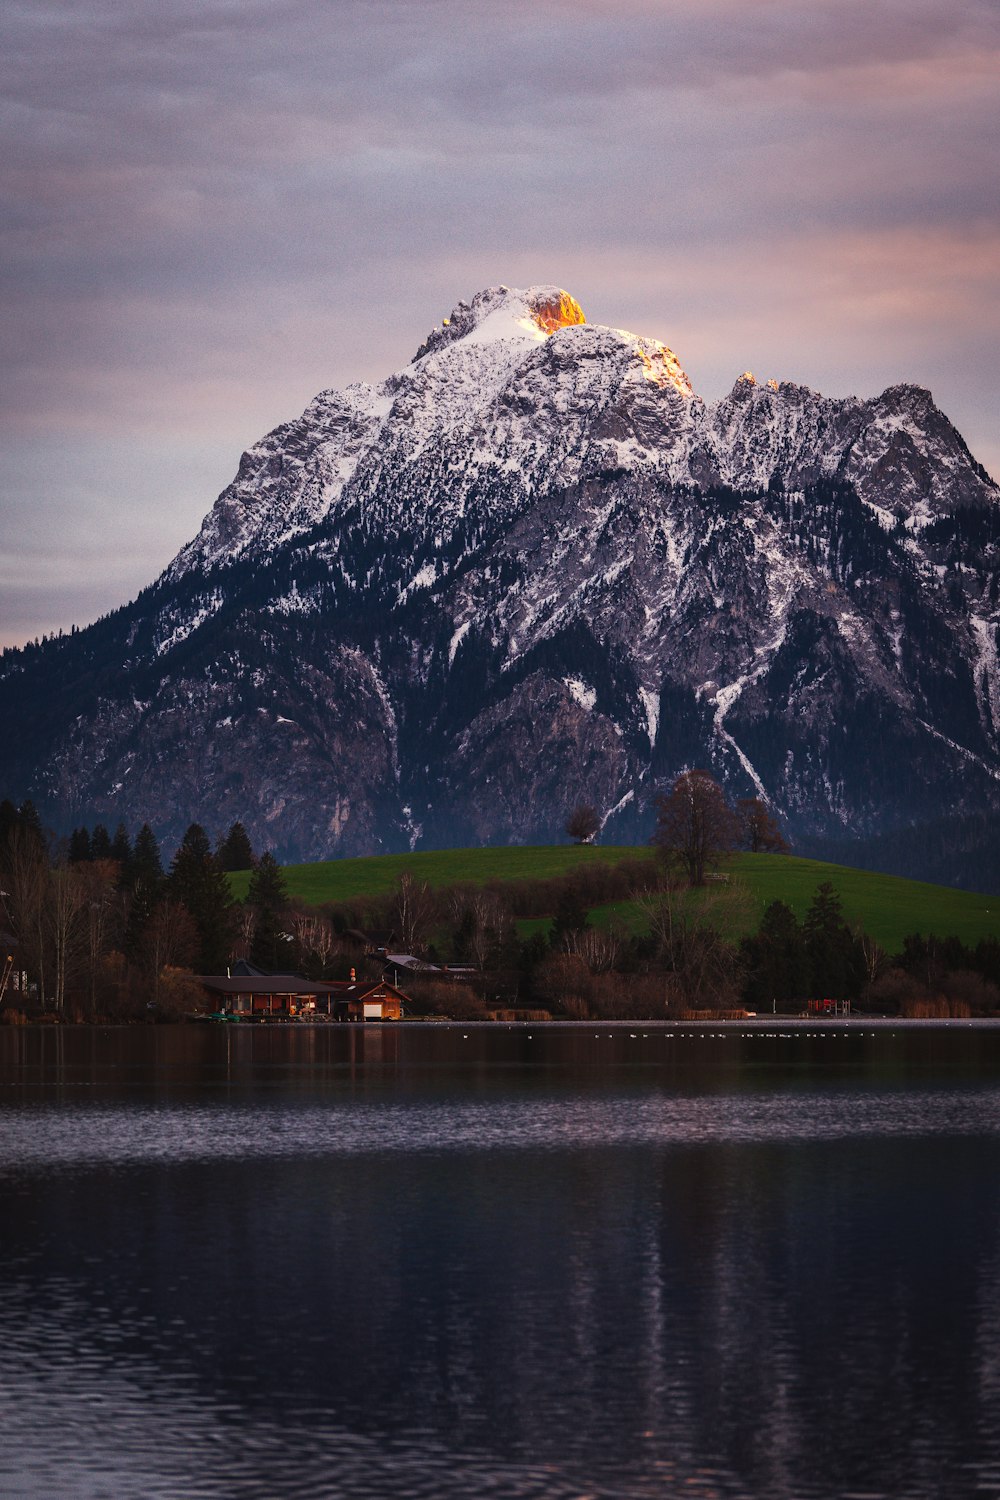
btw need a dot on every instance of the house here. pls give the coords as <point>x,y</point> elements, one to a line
<point>367,1000</point>
<point>248,992</point>
<point>258,995</point>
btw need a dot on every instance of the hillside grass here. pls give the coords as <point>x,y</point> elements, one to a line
<point>377,874</point>
<point>888,907</point>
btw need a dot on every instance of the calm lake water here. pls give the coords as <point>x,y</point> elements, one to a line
<point>460,1262</point>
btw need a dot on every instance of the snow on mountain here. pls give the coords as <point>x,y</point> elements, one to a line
<point>533,567</point>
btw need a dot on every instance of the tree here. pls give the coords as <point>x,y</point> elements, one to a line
<point>236,850</point>
<point>267,898</point>
<point>67,899</point>
<point>315,943</point>
<point>776,959</point>
<point>25,893</point>
<point>121,847</point>
<point>79,847</point>
<point>102,912</point>
<point>695,825</point>
<point>197,881</point>
<point>572,915</point>
<point>689,928</point>
<point>100,843</point>
<point>583,823</point>
<point>413,908</point>
<point>145,881</point>
<point>836,963</point>
<point>170,940</point>
<point>759,829</point>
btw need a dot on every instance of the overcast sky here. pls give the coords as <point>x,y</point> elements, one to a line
<point>215,208</point>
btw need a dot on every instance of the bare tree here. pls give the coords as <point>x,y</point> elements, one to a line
<point>492,925</point>
<point>67,897</point>
<point>315,939</point>
<point>695,827</point>
<point>26,899</point>
<point>584,823</point>
<point>414,909</point>
<point>759,831</point>
<point>694,931</point>
<point>599,947</point>
<point>170,940</point>
<point>103,915</point>
<point>246,926</point>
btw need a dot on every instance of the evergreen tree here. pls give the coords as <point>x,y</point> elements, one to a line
<point>776,960</point>
<point>145,863</point>
<point>268,897</point>
<point>835,965</point>
<point>121,847</point>
<point>197,881</point>
<point>28,819</point>
<point>145,879</point>
<point>100,843</point>
<point>79,847</point>
<point>236,850</point>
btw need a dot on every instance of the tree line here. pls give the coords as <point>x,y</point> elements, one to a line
<point>103,929</point>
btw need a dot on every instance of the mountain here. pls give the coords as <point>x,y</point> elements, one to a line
<point>534,568</point>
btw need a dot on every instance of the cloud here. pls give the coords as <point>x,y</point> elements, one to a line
<point>213,209</point>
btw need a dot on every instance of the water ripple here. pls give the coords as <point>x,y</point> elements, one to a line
<point>75,1135</point>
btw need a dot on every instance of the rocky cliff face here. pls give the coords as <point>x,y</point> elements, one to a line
<point>533,568</point>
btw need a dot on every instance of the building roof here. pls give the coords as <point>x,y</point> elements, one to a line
<point>268,984</point>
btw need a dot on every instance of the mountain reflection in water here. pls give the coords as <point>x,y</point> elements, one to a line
<point>461,1262</point>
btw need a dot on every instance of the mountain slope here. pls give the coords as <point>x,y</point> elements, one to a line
<point>534,567</point>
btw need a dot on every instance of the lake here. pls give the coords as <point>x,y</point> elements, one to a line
<point>554,1261</point>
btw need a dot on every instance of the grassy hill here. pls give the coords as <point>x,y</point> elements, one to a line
<point>887,906</point>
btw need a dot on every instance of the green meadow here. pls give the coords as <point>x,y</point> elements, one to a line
<point>886,906</point>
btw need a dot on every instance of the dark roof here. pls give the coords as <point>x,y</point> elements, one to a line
<point>269,984</point>
<point>244,969</point>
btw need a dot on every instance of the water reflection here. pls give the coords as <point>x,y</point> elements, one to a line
<point>403,1276</point>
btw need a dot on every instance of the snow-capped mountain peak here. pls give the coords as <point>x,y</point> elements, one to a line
<point>533,566</point>
<point>505,313</point>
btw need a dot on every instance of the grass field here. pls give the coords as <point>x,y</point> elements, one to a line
<point>347,879</point>
<point>887,906</point>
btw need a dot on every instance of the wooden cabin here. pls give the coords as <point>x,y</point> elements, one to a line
<point>367,1000</point>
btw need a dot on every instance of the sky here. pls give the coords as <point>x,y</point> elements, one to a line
<point>213,209</point>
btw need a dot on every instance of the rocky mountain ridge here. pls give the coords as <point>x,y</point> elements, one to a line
<point>531,568</point>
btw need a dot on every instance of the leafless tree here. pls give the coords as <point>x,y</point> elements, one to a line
<point>695,826</point>
<point>414,908</point>
<point>694,931</point>
<point>599,947</point>
<point>759,831</point>
<point>315,939</point>
<point>492,925</point>
<point>103,915</point>
<point>26,901</point>
<point>584,823</point>
<point>246,926</point>
<point>170,940</point>
<point>67,928</point>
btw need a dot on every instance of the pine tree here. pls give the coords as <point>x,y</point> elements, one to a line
<point>197,881</point>
<point>121,847</point>
<point>79,847</point>
<point>145,878</point>
<point>777,963</point>
<point>236,850</point>
<point>835,965</point>
<point>100,843</point>
<point>268,897</point>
